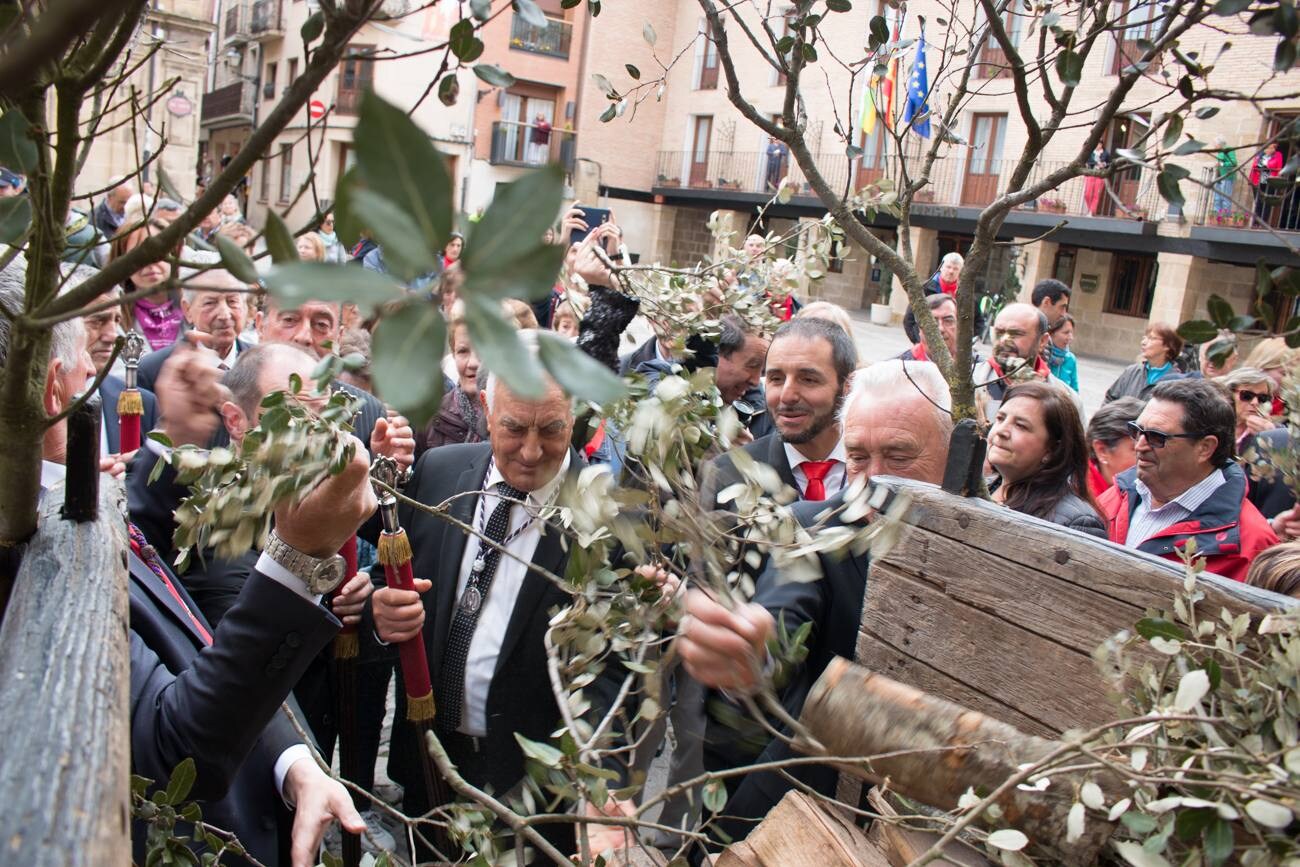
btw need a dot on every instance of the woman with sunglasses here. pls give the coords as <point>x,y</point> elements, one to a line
<point>334,251</point>
<point>1252,398</point>
<point>1037,447</point>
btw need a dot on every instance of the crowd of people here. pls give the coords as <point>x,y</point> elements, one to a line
<point>216,646</point>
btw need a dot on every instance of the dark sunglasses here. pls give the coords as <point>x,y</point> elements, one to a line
<point>1248,396</point>
<point>1158,438</point>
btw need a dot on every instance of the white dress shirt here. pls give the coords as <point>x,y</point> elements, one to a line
<point>834,480</point>
<point>1147,522</point>
<point>490,630</point>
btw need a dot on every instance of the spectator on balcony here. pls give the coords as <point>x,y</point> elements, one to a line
<point>1224,176</point>
<point>1094,189</point>
<point>777,154</point>
<point>1060,360</point>
<point>1268,163</point>
<point>1111,443</point>
<point>1160,346</point>
<point>539,140</point>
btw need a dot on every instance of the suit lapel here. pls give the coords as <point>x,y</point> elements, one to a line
<point>534,591</point>
<point>776,457</point>
<point>451,551</point>
<point>109,392</point>
<point>143,576</point>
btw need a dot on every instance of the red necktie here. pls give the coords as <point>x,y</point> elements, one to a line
<point>815,472</point>
<point>142,549</point>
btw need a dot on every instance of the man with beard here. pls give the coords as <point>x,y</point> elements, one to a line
<point>212,302</point>
<point>1019,334</point>
<point>807,375</point>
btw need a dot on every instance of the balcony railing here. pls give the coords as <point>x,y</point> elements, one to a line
<point>1232,203</point>
<point>553,39</point>
<point>237,15</point>
<point>523,144</point>
<point>953,182</point>
<point>232,101</point>
<point>266,19</point>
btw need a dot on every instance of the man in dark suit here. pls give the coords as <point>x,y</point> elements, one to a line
<point>808,366</point>
<point>485,616</point>
<point>214,303</point>
<point>110,390</point>
<point>210,697</point>
<point>896,422</point>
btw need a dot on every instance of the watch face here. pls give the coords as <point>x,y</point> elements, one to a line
<point>327,575</point>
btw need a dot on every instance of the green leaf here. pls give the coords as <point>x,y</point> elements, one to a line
<point>236,261</point>
<point>166,186</point>
<point>532,13</point>
<point>578,373</point>
<point>714,796</point>
<point>603,85</point>
<point>346,225</point>
<point>1215,674</point>
<point>544,753</point>
<point>839,5</point>
<point>1197,331</point>
<point>1190,146</point>
<point>17,150</point>
<point>296,282</point>
<point>406,360</point>
<point>1242,323</point>
<point>279,240</point>
<point>520,213</point>
<point>1218,842</point>
<point>1189,824</point>
<point>648,33</point>
<point>879,28</point>
<point>494,75</point>
<point>1220,311</point>
<point>498,346</point>
<point>1206,112</point>
<point>1231,7</point>
<point>480,9</point>
<point>15,217</point>
<point>1158,627</point>
<point>449,90</point>
<point>609,114</point>
<point>406,253</point>
<point>1167,184</point>
<point>1139,823</point>
<point>399,162</point>
<point>1069,68</point>
<point>528,277</point>
<point>181,781</point>
<point>1285,55</point>
<point>464,43</point>
<point>1263,279</point>
<point>632,71</point>
<point>313,27</point>
<point>1173,131</point>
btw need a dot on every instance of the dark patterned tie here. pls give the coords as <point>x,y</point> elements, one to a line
<point>451,681</point>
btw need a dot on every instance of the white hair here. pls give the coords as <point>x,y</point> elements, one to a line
<point>888,382</point>
<point>214,280</point>
<point>67,338</point>
<point>953,257</point>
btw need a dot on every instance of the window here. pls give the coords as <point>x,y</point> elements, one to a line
<point>356,75</point>
<point>264,187</point>
<point>268,84</point>
<point>1139,20</point>
<point>708,78</point>
<point>286,173</point>
<point>993,62</point>
<point>293,73</point>
<point>1132,285</point>
<point>1063,265</point>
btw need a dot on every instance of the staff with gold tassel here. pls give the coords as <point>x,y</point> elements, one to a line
<point>130,405</point>
<point>395,556</point>
<point>346,647</point>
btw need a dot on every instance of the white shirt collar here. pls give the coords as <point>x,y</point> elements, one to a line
<point>229,360</point>
<point>795,458</point>
<point>543,495</point>
<point>1192,498</point>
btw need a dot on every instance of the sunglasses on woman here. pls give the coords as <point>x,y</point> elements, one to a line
<point>1248,396</point>
<point>1157,439</point>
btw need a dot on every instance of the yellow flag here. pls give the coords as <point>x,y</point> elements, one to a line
<point>868,120</point>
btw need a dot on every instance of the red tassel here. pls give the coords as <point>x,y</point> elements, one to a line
<point>415,661</point>
<point>346,645</point>
<point>129,433</point>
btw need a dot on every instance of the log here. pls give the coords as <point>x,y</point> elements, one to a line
<point>799,833</point>
<point>853,711</point>
<point>903,845</point>
<point>64,693</point>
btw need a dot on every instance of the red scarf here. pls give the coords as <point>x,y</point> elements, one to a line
<point>1040,368</point>
<point>947,288</point>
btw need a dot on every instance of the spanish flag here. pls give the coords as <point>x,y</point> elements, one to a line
<point>869,113</point>
<point>887,90</point>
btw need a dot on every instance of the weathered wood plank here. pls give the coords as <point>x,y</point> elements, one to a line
<point>988,654</point>
<point>798,832</point>
<point>64,693</point>
<point>902,845</point>
<point>879,655</point>
<point>1130,576</point>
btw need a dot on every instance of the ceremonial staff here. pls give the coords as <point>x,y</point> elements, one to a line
<point>346,648</point>
<point>395,556</point>
<point>130,406</point>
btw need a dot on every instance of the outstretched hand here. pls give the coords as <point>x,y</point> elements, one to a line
<point>318,801</point>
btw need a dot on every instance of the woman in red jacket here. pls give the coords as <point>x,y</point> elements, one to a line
<point>1267,164</point>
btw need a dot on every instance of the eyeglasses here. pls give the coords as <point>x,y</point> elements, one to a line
<point>1157,439</point>
<point>1248,396</point>
<point>327,223</point>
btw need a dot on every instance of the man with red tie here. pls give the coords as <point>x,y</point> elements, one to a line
<point>806,376</point>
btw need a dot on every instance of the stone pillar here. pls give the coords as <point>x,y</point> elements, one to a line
<point>1039,260</point>
<point>924,244</point>
<point>1174,295</point>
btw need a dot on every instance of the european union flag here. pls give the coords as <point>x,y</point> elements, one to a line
<point>918,92</point>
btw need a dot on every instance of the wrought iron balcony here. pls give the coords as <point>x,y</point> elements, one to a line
<point>524,144</point>
<point>552,40</point>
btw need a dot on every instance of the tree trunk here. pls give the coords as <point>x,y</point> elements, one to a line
<point>64,695</point>
<point>853,711</point>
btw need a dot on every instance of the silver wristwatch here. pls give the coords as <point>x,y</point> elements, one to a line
<point>321,575</point>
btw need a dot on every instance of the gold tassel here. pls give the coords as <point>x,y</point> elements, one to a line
<point>420,709</point>
<point>129,402</point>
<point>346,645</point>
<point>394,548</point>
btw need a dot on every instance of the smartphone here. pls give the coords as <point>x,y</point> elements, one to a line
<point>593,217</point>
